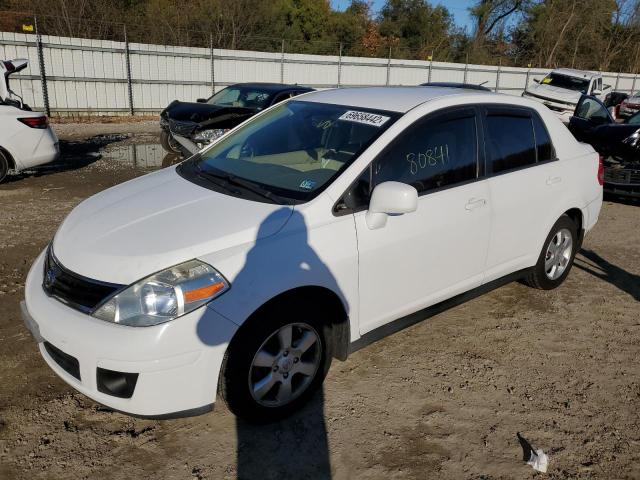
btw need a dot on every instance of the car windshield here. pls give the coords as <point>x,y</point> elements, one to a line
<point>245,97</point>
<point>567,82</point>
<point>293,151</point>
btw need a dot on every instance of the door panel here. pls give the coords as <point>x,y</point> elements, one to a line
<point>525,184</point>
<point>424,257</point>
<point>521,202</point>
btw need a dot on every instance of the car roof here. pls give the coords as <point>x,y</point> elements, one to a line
<point>392,99</point>
<point>272,87</point>
<point>575,73</point>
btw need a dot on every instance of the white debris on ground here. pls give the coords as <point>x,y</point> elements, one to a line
<point>539,460</point>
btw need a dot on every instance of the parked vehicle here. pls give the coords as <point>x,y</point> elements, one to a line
<point>188,127</point>
<point>561,89</point>
<point>318,226</point>
<point>618,143</point>
<point>26,140</point>
<point>470,86</point>
<point>630,106</point>
<point>613,100</point>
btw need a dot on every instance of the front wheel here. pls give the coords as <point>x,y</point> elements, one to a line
<point>168,142</point>
<point>4,166</point>
<point>556,258</point>
<point>273,367</point>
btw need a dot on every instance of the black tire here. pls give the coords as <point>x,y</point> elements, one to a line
<point>538,277</point>
<point>4,166</point>
<point>234,385</point>
<point>168,142</point>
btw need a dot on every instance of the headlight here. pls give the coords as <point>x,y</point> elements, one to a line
<point>164,296</point>
<point>206,136</point>
<point>633,139</point>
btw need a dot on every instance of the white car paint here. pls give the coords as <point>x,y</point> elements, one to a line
<point>26,147</point>
<point>456,239</point>
<point>563,101</point>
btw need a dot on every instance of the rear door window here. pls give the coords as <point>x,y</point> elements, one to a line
<point>509,140</point>
<point>437,152</point>
<point>544,147</point>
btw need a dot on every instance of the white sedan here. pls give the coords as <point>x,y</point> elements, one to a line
<point>316,227</point>
<point>26,139</point>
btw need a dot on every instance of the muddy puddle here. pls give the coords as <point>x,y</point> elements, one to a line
<point>110,152</point>
<point>148,156</point>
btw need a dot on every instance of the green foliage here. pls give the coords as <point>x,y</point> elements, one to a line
<point>588,34</point>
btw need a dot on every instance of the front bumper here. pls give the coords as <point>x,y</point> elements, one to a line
<point>187,145</point>
<point>564,111</point>
<point>177,362</point>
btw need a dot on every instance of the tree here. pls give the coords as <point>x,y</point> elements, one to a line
<point>415,29</point>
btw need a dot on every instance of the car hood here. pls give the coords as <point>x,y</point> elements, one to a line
<point>555,93</point>
<point>148,224</point>
<point>203,112</point>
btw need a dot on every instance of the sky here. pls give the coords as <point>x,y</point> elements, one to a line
<point>458,9</point>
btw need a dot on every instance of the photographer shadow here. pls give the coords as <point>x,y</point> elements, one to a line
<point>297,446</point>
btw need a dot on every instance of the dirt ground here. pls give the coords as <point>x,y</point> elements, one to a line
<point>443,399</point>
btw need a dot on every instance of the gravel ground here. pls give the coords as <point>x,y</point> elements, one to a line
<point>443,399</point>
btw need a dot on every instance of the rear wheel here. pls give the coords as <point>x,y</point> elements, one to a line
<point>4,166</point>
<point>168,142</point>
<point>274,365</point>
<point>556,258</point>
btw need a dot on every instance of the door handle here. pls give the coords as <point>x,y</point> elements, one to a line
<point>553,180</point>
<point>475,203</point>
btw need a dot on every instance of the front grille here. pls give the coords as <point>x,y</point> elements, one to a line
<point>68,363</point>
<point>622,176</point>
<point>72,289</point>
<point>182,128</point>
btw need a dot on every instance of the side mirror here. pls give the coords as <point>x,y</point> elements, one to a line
<point>390,198</point>
<point>201,100</point>
<point>596,92</point>
<point>537,80</point>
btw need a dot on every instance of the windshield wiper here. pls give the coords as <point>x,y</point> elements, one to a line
<point>242,183</point>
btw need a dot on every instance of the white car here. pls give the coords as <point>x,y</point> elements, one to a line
<point>316,227</point>
<point>26,139</point>
<point>561,90</point>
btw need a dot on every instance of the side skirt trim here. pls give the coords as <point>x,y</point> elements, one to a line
<point>417,317</point>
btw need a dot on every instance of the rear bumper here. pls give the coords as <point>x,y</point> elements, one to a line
<point>622,190</point>
<point>37,147</point>
<point>177,363</point>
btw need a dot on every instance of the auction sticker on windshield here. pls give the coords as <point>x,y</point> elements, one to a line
<point>364,117</point>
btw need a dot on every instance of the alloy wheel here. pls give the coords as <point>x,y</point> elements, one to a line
<point>558,254</point>
<point>285,365</point>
